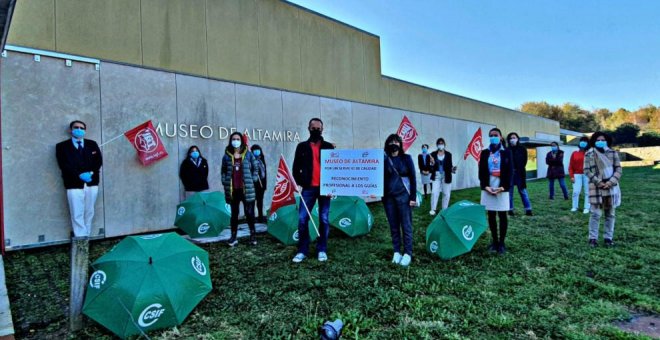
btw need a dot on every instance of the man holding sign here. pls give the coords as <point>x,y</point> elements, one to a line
<point>307,174</point>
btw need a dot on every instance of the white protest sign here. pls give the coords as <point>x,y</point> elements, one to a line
<point>352,172</point>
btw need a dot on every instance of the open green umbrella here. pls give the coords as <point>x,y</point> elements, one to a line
<point>204,214</point>
<point>283,223</point>
<point>147,282</point>
<point>456,229</point>
<point>351,215</point>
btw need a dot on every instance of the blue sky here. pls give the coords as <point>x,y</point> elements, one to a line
<point>597,54</point>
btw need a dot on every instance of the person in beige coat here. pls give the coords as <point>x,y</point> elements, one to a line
<point>602,167</point>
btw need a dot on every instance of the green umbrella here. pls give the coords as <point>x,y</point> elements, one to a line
<point>283,223</point>
<point>147,282</point>
<point>351,215</point>
<point>456,229</point>
<point>204,214</point>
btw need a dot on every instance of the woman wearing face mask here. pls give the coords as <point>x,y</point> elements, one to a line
<point>579,180</point>
<point>425,164</point>
<point>602,167</point>
<point>495,178</point>
<point>441,175</point>
<point>555,161</point>
<point>240,170</point>
<point>194,172</point>
<point>399,197</point>
<point>519,176</point>
<point>260,185</point>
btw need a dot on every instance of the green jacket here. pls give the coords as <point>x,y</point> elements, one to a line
<point>250,174</point>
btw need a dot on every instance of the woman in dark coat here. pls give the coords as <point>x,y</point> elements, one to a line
<point>425,165</point>
<point>519,176</point>
<point>555,161</point>
<point>261,185</point>
<point>194,172</point>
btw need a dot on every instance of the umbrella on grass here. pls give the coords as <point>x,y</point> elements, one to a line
<point>283,223</point>
<point>351,215</point>
<point>204,214</point>
<point>456,229</point>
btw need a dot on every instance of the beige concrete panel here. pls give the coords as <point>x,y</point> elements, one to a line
<point>349,67</point>
<point>174,35</point>
<point>365,133</point>
<point>376,89</point>
<point>233,40</point>
<point>298,109</point>
<point>33,24</point>
<point>101,29</point>
<point>137,198</point>
<point>428,130</point>
<point>389,121</point>
<point>399,94</point>
<point>279,45</point>
<point>318,55</point>
<point>337,116</point>
<point>39,100</point>
<point>420,99</point>
<point>204,106</point>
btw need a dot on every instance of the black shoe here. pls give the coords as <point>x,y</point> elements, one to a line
<point>253,240</point>
<point>565,198</point>
<point>511,213</point>
<point>593,243</point>
<point>501,250</point>
<point>232,242</point>
<point>493,248</point>
<point>529,213</point>
<point>551,198</point>
<point>609,243</point>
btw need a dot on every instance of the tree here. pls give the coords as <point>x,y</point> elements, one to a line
<point>626,133</point>
<point>649,139</point>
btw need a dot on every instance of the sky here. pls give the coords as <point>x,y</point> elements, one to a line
<point>594,53</point>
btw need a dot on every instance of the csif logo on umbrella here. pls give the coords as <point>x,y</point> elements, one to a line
<point>151,237</point>
<point>345,222</point>
<point>198,265</point>
<point>369,220</point>
<point>433,247</point>
<point>97,279</point>
<point>295,236</point>
<point>150,315</point>
<point>466,204</point>
<point>273,216</point>
<point>468,233</point>
<point>228,207</point>
<point>203,228</point>
<point>181,211</point>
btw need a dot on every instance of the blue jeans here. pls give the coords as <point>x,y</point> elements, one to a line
<point>517,181</point>
<point>399,216</point>
<point>310,196</point>
<point>562,184</point>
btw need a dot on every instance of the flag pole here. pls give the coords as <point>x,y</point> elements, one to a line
<point>295,185</point>
<point>111,140</point>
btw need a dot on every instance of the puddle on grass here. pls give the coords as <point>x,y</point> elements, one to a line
<point>648,325</point>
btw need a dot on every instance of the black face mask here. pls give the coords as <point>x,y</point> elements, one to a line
<point>392,148</point>
<point>315,135</point>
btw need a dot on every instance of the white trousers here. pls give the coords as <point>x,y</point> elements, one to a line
<point>439,186</point>
<point>81,208</point>
<point>581,182</point>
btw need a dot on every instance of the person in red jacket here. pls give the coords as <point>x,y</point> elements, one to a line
<point>579,180</point>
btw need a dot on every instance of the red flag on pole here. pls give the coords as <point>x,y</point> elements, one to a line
<point>475,146</point>
<point>284,187</point>
<point>407,132</point>
<point>147,143</point>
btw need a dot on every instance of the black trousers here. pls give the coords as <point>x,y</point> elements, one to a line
<point>492,224</point>
<point>259,191</point>
<point>238,197</point>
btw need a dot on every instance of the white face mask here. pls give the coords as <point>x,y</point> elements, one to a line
<point>514,141</point>
<point>441,147</point>
<point>236,143</point>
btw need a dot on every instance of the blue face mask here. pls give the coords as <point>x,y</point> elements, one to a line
<point>194,154</point>
<point>78,133</point>
<point>257,152</point>
<point>236,143</point>
<point>494,140</point>
<point>583,144</point>
<point>601,144</point>
<point>425,150</point>
<point>555,148</point>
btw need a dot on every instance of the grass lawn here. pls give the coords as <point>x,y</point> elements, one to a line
<point>550,284</point>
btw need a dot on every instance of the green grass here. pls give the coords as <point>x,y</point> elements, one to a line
<point>549,285</point>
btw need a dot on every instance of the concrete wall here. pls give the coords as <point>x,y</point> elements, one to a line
<point>649,153</point>
<point>39,99</point>
<point>268,43</point>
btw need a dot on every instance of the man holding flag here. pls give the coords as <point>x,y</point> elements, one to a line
<point>307,174</point>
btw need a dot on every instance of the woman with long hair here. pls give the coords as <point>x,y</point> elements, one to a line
<point>194,172</point>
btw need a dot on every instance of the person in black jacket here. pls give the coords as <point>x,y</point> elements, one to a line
<point>441,174</point>
<point>307,173</point>
<point>260,185</point>
<point>495,179</point>
<point>425,165</point>
<point>194,172</point>
<point>519,176</point>
<point>80,161</point>
<point>400,195</point>
<point>555,161</point>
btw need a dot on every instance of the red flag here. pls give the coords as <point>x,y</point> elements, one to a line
<point>246,140</point>
<point>407,132</point>
<point>284,187</point>
<point>475,146</point>
<point>147,143</point>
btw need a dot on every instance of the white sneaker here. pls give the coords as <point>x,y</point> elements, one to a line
<point>396,259</point>
<point>405,260</point>
<point>322,256</point>
<point>299,258</point>
<point>432,212</point>
<point>574,210</point>
<point>585,211</point>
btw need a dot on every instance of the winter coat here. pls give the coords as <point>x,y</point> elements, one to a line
<point>250,174</point>
<point>593,169</point>
<point>505,169</point>
<point>447,166</point>
<point>194,178</point>
<point>519,154</point>
<point>302,162</point>
<point>393,184</point>
<point>555,164</point>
